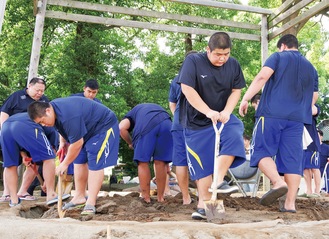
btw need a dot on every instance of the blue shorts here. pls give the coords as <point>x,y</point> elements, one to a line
<point>311,159</point>
<point>179,157</point>
<point>101,150</point>
<point>200,146</point>
<point>156,144</point>
<point>17,136</point>
<point>280,138</point>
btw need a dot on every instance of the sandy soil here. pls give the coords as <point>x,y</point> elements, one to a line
<point>129,217</point>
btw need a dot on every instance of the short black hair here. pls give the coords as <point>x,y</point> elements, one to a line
<point>92,84</point>
<point>219,40</point>
<point>289,40</point>
<point>255,98</point>
<point>35,80</point>
<point>320,132</point>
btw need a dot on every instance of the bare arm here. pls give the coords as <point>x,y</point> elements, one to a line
<point>3,117</point>
<point>72,152</point>
<point>172,107</point>
<point>124,126</point>
<point>256,85</point>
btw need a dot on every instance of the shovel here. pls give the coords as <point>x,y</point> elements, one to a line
<point>61,212</point>
<point>66,180</point>
<point>215,208</point>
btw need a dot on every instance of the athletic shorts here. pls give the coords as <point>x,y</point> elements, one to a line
<point>17,136</point>
<point>179,157</point>
<point>101,150</point>
<point>200,146</point>
<point>311,159</point>
<point>156,144</point>
<point>280,138</point>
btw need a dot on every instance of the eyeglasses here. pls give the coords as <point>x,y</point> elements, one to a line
<point>35,80</point>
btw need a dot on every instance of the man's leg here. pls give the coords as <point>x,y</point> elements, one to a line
<point>268,167</point>
<point>317,180</point>
<point>49,176</point>
<point>308,180</point>
<point>80,182</point>
<point>225,161</point>
<point>28,177</point>
<point>5,194</point>
<point>12,181</point>
<point>95,181</point>
<point>161,169</point>
<point>183,181</point>
<point>144,176</point>
<point>203,184</point>
<point>293,181</point>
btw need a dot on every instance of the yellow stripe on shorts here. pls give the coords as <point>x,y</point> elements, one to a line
<point>195,155</point>
<point>108,133</point>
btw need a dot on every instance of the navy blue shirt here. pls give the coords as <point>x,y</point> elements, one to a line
<point>288,93</point>
<point>174,96</point>
<point>214,84</point>
<point>50,132</point>
<point>18,102</point>
<point>82,95</point>
<point>79,117</point>
<point>144,117</point>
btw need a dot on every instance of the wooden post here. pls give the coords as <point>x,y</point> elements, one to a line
<point>2,12</point>
<point>37,39</point>
<point>264,53</point>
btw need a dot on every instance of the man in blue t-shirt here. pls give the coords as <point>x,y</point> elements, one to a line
<point>211,85</point>
<point>18,102</point>
<point>291,85</point>
<point>84,124</point>
<point>90,90</point>
<point>151,138</point>
<point>324,159</point>
<point>20,137</point>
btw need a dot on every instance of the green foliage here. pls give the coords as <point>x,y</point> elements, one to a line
<point>73,52</point>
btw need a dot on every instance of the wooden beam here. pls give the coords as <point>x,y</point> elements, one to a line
<point>231,6</point>
<point>2,12</point>
<point>144,25</point>
<point>280,9</point>
<point>303,17</point>
<point>289,12</point>
<point>37,40</point>
<point>264,39</point>
<point>158,15</point>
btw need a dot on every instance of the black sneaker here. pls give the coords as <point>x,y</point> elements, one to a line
<point>224,187</point>
<point>199,214</point>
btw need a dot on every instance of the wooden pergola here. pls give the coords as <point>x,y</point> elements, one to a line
<point>273,23</point>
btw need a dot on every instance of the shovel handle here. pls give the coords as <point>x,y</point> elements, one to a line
<point>216,162</point>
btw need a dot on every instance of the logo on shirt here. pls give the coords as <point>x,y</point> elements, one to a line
<point>23,97</point>
<point>203,76</point>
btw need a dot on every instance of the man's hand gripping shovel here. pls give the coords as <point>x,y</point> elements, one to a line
<point>61,212</point>
<point>215,208</point>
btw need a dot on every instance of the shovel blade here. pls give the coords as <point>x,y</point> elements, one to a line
<point>214,210</point>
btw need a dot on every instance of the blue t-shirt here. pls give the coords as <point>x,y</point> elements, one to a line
<point>288,93</point>
<point>174,95</point>
<point>82,95</point>
<point>18,102</point>
<point>144,117</point>
<point>50,132</point>
<point>79,117</point>
<point>214,84</point>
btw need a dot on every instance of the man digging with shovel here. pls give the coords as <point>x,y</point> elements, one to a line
<point>211,85</point>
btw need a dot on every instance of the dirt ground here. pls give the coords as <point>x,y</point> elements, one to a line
<point>129,217</point>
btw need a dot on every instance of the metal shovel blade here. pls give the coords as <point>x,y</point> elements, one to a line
<point>214,210</point>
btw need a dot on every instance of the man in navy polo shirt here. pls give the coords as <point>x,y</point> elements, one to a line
<point>18,102</point>
<point>88,125</point>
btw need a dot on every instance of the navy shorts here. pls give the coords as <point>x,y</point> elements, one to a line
<point>200,146</point>
<point>280,138</point>
<point>179,157</point>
